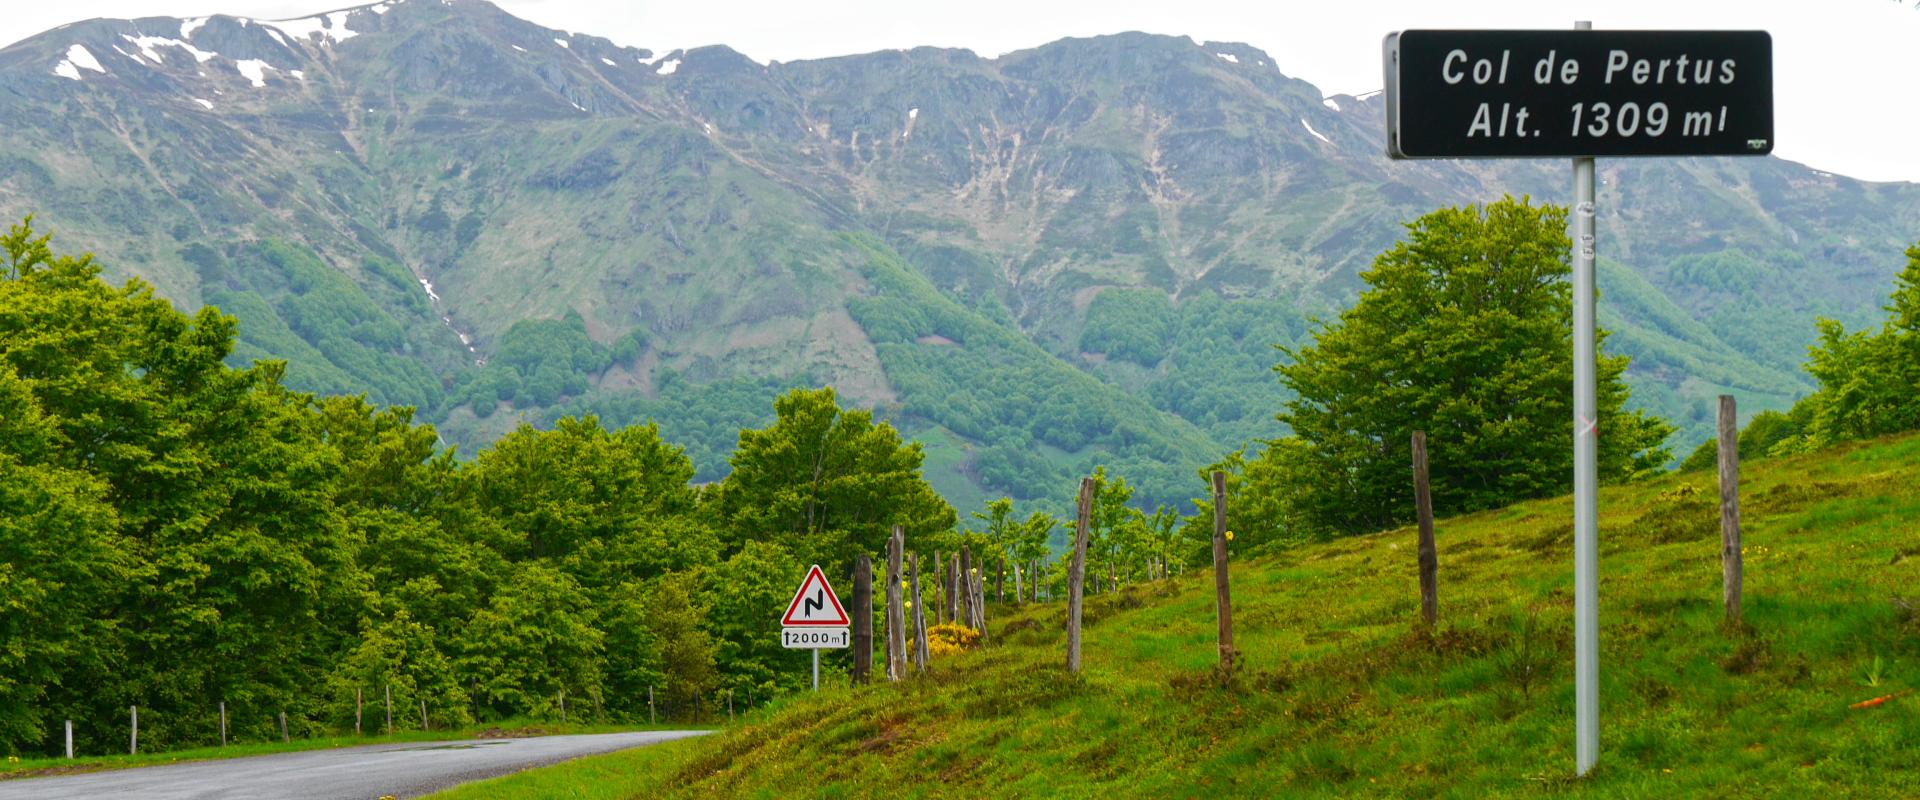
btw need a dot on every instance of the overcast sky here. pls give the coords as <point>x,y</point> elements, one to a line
<point>1844,70</point>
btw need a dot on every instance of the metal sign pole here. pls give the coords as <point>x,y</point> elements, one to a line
<point>816,670</point>
<point>1586,551</point>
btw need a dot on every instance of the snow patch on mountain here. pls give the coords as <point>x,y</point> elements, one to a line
<point>188,26</point>
<point>606,61</point>
<point>669,66</point>
<point>208,104</point>
<point>78,58</point>
<point>84,59</point>
<point>1329,103</point>
<point>563,43</point>
<point>1228,57</point>
<point>148,43</point>
<point>254,69</point>
<point>1316,134</point>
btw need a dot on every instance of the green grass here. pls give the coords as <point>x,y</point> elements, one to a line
<point>1341,693</point>
<point>30,767</point>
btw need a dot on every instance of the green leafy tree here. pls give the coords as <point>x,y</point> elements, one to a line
<point>674,617</point>
<point>61,563</point>
<point>401,655</point>
<point>1868,379</point>
<point>580,486</point>
<point>744,597</point>
<point>533,642</point>
<point>827,482</point>
<point>1109,533</point>
<point>1464,332</point>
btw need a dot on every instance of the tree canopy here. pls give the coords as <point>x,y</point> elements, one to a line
<point>1464,331</point>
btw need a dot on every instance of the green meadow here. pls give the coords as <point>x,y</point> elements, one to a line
<point>1341,691</point>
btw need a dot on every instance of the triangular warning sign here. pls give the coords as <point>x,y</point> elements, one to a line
<point>815,603</point>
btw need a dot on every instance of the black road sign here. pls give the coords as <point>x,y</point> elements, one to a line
<point>1537,94</point>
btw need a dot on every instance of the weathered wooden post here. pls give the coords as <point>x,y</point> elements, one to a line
<point>939,574</point>
<point>133,737</point>
<point>862,618</point>
<point>423,715</point>
<point>1423,509</point>
<point>356,711</point>
<point>896,613</point>
<point>965,586</point>
<point>651,720</point>
<point>1000,582</point>
<point>919,617</point>
<point>283,728</point>
<point>69,740</point>
<point>1077,573</point>
<point>223,723</point>
<point>980,600</point>
<point>957,601</point>
<point>563,706</point>
<point>389,709</point>
<point>1730,559</point>
<point>1223,598</point>
<point>1019,595</point>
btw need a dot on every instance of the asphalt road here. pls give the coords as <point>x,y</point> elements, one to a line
<point>349,773</point>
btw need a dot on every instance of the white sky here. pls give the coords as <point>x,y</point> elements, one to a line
<point>1843,69</point>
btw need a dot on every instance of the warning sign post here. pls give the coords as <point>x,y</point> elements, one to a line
<point>814,619</point>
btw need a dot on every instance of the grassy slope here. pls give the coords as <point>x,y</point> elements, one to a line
<point>1341,696</point>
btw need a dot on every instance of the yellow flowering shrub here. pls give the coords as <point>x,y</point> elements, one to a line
<point>950,638</point>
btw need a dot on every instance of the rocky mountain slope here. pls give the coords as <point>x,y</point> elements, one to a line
<point>1074,254</point>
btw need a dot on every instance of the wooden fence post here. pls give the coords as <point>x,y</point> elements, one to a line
<point>953,589</point>
<point>919,615</point>
<point>980,599</point>
<point>862,618</point>
<point>964,585</point>
<point>423,715</point>
<point>1423,510</point>
<point>389,709</point>
<point>69,740</point>
<point>563,706</point>
<point>223,723</point>
<point>133,739</point>
<point>1077,573</point>
<point>896,612</point>
<point>356,711</point>
<point>1019,594</point>
<point>1222,597</point>
<point>1730,559</point>
<point>283,728</point>
<point>1000,582</point>
<point>650,718</point>
<point>939,570</point>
